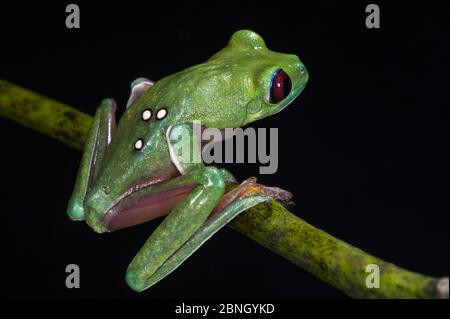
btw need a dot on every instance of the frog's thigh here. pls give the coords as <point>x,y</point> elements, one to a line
<point>177,227</point>
<point>98,139</point>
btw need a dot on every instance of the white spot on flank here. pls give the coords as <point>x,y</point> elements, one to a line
<point>162,113</point>
<point>138,145</point>
<point>147,115</point>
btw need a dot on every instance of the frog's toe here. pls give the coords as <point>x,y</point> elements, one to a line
<point>288,204</point>
<point>76,210</point>
<point>251,187</point>
<point>134,282</point>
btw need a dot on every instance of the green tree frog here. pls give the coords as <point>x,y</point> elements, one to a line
<point>132,173</point>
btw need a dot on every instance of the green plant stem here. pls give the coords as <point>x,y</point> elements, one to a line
<point>269,224</point>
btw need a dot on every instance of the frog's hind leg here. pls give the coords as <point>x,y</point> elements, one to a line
<point>248,194</point>
<point>97,143</point>
<point>196,218</point>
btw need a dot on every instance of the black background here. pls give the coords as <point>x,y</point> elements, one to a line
<point>364,149</point>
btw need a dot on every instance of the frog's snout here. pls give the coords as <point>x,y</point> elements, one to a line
<point>302,69</point>
<point>297,71</point>
<point>295,65</point>
<point>304,74</point>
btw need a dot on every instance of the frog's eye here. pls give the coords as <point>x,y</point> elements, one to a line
<point>280,86</point>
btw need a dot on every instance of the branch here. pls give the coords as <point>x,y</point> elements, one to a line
<point>269,224</point>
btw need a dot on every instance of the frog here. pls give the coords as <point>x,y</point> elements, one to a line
<point>136,170</point>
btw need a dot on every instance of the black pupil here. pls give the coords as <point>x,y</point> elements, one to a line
<point>280,86</point>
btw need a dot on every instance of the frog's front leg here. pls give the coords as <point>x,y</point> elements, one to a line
<point>186,218</point>
<point>177,227</point>
<point>97,142</point>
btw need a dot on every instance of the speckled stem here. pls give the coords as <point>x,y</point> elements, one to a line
<point>43,114</point>
<point>270,224</point>
<point>330,259</point>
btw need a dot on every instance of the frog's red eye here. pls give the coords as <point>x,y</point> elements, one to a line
<point>280,86</point>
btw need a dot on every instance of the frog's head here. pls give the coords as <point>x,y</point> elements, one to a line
<point>255,82</point>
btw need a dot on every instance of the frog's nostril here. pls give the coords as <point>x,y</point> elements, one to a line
<point>302,69</point>
<point>106,190</point>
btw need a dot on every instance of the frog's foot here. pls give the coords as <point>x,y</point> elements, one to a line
<point>249,188</point>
